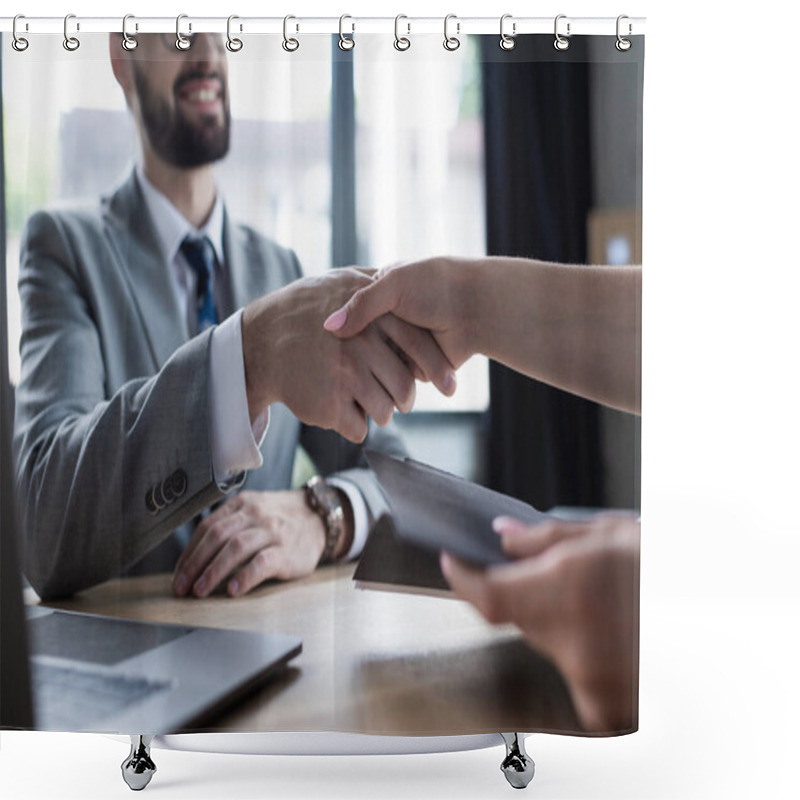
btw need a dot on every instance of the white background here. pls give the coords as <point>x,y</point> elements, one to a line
<point>721,538</point>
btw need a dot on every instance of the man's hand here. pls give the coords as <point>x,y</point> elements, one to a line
<point>289,358</point>
<point>434,294</point>
<point>252,537</point>
<point>574,593</point>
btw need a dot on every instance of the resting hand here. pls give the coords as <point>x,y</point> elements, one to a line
<point>573,591</point>
<point>432,294</point>
<point>326,382</point>
<point>252,537</point>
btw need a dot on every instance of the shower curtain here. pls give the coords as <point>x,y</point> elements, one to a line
<point>316,153</point>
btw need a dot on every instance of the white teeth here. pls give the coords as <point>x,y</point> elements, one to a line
<point>202,96</point>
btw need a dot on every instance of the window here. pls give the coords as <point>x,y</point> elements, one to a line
<point>419,148</point>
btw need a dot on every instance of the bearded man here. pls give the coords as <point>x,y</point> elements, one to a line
<point>163,347</point>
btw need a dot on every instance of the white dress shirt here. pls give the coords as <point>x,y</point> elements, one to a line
<point>234,441</point>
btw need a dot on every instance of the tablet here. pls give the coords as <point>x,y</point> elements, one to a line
<point>438,511</point>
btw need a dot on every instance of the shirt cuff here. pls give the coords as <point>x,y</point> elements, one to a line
<point>360,517</point>
<point>234,442</point>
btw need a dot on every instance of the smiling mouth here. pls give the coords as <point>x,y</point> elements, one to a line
<point>201,95</point>
<point>200,92</point>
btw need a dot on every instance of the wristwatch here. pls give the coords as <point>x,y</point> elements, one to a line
<point>324,500</point>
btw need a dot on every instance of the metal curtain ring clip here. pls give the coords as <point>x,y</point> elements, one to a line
<point>233,44</point>
<point>128,42</point>
<point>561,42</point>
<point>289,44</point>
<point>401,43</point>
<point>19,43</point>
<point>181,42</point>
<point>451,43</point>
<point>346,43</point>
<point>71,43</point>
<point>507,42</point>
<point>623,44</point>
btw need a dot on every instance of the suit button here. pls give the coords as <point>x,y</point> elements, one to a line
<point>166,491</point>
<point>148,501</point>
<point>179,483</point>
<point>158,498</point>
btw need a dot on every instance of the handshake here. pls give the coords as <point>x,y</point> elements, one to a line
<point>349,345</point>
<point>338,349</point>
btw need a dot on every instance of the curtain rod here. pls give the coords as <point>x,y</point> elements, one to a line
<point>349,25</point>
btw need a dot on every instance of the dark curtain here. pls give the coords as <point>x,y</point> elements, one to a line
<point>544,444</point>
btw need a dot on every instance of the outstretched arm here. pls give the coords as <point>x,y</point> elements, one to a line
<point>574,327</point>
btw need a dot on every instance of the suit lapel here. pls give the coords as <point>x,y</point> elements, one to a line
<point>244,284</point>
<point>141,261</point>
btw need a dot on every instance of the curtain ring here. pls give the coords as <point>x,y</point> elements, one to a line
<point>451,43</point>
<point>289,45</point>
<point>181,42</point>
<point>346,43</point>
<point>623,44</point>
<point>401,43</point>
<point>233,44</point>
<point>71,43</point>
<point>19,43</point>
<point>561,42</point>
<point>128,42</point>
<point>507,42</point>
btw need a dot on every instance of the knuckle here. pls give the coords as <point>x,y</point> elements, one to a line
<point>355,303</point>
<point>549,530</point>
<point>564,571</point>
<point>236,546</point>
<point>262,561</point>
<point>278,527</point>
<point>216,535</point>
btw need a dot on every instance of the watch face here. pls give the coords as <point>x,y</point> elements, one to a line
<point>328,496</point>
<point>322,496</point>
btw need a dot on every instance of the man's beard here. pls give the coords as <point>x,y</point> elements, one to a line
<point>174,138</point>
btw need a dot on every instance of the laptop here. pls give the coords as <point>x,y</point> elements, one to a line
<point>66,671</point>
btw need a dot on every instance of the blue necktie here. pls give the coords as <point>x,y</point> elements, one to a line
<point>199,256</point>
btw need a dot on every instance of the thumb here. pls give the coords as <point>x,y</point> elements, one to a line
<point>364,307</point>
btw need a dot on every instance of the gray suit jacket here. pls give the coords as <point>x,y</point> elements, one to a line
<point>113,396</point>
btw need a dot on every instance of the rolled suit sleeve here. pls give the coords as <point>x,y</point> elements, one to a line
<point>102,476</point>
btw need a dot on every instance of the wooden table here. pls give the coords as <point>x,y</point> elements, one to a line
<point>372,661</point>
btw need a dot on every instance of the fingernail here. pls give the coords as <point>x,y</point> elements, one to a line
<point>336,320</point>
<point>450,383</point>
<point>200,585</point>
<point>506,524</point>
<point>180,585</point>
<point>445,563</point>
<point>233,587</point>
